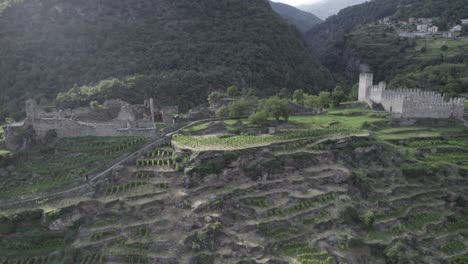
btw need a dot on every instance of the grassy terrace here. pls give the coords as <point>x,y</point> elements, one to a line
<point>332,124</point>
<point>433,48</point>
<point>335,123</point>
<point>4,152</point>
<point>45,167</point>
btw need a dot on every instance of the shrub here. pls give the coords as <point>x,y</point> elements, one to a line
<point>222,112</point>
<point>215,96</point>
<point>369,219</point>
<point>232,91</point>
<point>392,253</point>
<point>94,104</point>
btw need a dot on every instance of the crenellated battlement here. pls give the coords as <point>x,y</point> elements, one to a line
<point>409,102</point>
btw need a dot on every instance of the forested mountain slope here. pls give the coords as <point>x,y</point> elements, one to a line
<point>303,20</point>
<point>334,29</point>
<point>353,37</point>
<point>176,51</point>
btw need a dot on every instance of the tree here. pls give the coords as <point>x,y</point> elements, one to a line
<point>222,112</point>
<point>276,107</point>
<point>338,96</point>
<point>259,118</point>
<point>444,48</point>
<point>242,107</point>
<point>298,97</point>
<point>284,93</point>
<point>311,101</point>
<point>213,97</point>
<point>324,99</point>
<point>232,91</point>
<point>464,31</point>
<point>354,93</point>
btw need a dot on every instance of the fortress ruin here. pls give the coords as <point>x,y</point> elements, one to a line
<point>409,103</point>
<point>113,118</point>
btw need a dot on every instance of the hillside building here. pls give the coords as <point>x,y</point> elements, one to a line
<point>457,28</point>
<point>423,28</point>
<point>433,30</point>
<point>408,103</point>
<point>464,21</point>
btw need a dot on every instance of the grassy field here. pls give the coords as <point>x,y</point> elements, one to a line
<point>44,167</point>
<point>196,128</point>
<point>249,141</point>
<point>433,48</point>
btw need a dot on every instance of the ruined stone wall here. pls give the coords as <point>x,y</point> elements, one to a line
<point>168,112</point>
<point>66,128</point>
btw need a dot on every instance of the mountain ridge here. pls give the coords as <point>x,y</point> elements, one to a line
<point>303,20</point>
<point>325,9</point>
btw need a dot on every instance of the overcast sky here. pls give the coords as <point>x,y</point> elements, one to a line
<point>297,2</point>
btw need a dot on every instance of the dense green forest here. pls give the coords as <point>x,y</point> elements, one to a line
<point>176,51</point>
<point>353,37</point>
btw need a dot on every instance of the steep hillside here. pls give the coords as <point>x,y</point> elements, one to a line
<point>175,51</point>
<point>301,19</point>
<point>332,32</point>
<point>325,191</point>
<point>325,9</point>
<point>352,38</point>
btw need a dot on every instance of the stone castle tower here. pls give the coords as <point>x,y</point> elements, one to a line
<point>366,81</point>
<point>408,103</point>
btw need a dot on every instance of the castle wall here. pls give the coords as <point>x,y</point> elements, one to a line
<point>409,103</point>
<point>393,103</point>
<point>375,92</point>
<point>66,128</point>
<point>415,109</point>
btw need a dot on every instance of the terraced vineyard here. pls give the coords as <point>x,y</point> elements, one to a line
<point>372,197</point>
<point>50,166</point>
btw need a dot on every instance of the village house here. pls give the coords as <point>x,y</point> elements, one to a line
<point>422,28</point>
<point>433,29</point>
<point>457,28</point>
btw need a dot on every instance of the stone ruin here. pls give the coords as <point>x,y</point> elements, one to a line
<point>408,103</point>
<point>114,118</point>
